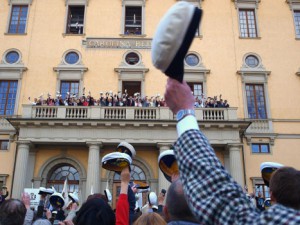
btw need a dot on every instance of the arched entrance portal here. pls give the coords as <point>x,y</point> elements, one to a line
<point>59,174</point>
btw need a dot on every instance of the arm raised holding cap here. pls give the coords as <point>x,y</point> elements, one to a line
<point>122,213</point>
<point>212,194</point>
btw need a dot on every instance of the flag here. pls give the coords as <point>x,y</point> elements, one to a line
<point>65,192</point>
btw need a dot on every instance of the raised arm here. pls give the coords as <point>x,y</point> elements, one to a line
<point>212,194</point>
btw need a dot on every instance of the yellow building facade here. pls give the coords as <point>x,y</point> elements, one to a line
<point>246,50</point>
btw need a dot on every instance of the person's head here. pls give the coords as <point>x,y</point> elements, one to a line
<point>176,207</point>
<point>12,212</point>
<point>285,187</point>
<point>150,219</point>
<point>93,212</point>
<point>41,222</point>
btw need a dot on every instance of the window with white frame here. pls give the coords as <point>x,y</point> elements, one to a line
<point>195,74</point>
<point>11,72</point>
<point>297,22</point>
<point>295,8</point>
<point>4,145</point>
<point>256,103</point>
<point>247,17</point>
<point>75,20</point>
<point>133,17</point>
<point>70,74</point>
<point>254,78</point>
<point>18,19</point>
<point>260,148</point>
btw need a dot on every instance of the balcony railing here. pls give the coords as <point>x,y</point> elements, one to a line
<point>122,113</point>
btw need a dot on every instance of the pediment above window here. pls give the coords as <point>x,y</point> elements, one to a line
<point>252,64</point>
<point>294,4</point>
<point>134,2</point>
<point>246,3</point>
<point>195,2</point>
<point>76,2</point>
<point>12,64</point>
<point>71,61</point>
<point>22,2</point>
<point>132,62</point>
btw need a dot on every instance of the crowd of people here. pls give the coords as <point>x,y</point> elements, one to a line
<point>111,99</point>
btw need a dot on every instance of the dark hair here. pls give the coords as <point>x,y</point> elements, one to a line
<point>285,187</point>
<point>150,219</point>
<point>176,203</point>
<point>12,212</point>
<point>95,211</point>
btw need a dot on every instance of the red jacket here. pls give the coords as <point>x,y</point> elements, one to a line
<point>122,211</point>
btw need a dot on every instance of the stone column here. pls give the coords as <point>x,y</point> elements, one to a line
<point>20,168</point>
<point>236,164</point>
<point>93,172</point>
<point>30,169</point>
<point>162,181</point>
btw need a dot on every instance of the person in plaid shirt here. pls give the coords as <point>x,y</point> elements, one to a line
<point>212,194</point>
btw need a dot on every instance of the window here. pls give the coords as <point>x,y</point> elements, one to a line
<point>197,89</point>
<point>252,61</point>
<point>260,148</point>
<point>136,174</point>
<point>297,22</point>
<point>57,178</point>
<point>8,91</point>
<point>247,23</point>
<point>4,144</point>
<point>131,87</point>
<point>256,101</point>
<point>69,86</point>
<point>192,60</point>
<point>132,58</point>
<point>18,19</point>
<point>75,22</point>
<point>72,58</point>
<point>133,20</point>
<point>12,57</point>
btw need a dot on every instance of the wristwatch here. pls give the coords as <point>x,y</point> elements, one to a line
<point>183,113</point>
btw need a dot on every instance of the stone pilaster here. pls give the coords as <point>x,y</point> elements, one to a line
<point>236,163</point>
<point>20,168</point>
<point>93,172</point>
<point>162,181</point>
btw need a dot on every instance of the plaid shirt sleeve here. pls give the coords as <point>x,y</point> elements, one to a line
<point>212,194</point>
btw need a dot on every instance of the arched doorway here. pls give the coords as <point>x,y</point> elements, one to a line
<point>137,174</point>
<point>58,174</point>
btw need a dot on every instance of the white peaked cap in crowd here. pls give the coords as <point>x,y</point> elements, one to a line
<point>116,161</point>
<point>74,197</point>
<point>125,144</point>
<point>57,199</point>
<point>47,191</point>
<point>108,195</point>
<point>173,37</point>
<point>152,198</point>
<point>267,169</point>
<point>168,164</point>
<point>274,165</point>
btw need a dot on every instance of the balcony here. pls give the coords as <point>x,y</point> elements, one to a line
<point>121,113</point>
